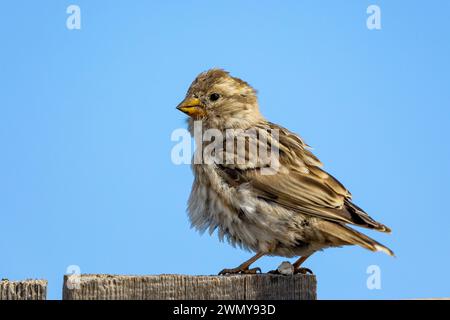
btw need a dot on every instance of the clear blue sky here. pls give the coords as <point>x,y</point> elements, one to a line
<point>86,116</point>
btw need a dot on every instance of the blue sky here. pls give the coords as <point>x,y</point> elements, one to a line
<point>86,117</point>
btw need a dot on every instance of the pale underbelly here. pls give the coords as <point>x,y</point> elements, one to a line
<point>251,224</point>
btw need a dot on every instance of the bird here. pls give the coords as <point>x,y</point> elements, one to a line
<point>291,209</point>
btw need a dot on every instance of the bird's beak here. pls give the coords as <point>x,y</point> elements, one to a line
<point>193,107</point>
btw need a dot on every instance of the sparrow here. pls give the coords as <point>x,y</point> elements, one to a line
<point>293,210</point>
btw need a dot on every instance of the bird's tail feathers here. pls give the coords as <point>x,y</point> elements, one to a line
<point>352,237</point>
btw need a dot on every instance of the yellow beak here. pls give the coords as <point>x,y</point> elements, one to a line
<point>193,107</point>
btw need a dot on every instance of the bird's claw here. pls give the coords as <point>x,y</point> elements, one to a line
<point>296,271</point>
<point>239,270</point>
<point>303,271</point>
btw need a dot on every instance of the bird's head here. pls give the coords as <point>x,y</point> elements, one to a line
<point>221,101</point>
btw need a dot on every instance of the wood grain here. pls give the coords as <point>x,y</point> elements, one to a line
<point>186,287</point>
<point>23,290</point>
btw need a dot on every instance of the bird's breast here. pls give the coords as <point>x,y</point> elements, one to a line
<point>214,204</point>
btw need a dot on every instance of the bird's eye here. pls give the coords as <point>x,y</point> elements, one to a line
<point>214,96</point>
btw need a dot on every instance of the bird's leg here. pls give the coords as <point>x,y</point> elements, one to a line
<point>298,263</point>
<point>244,267</point>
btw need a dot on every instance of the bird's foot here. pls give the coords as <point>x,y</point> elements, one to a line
<point>274,271</point>
<point>303,271</point>
<point>240,270</point>
<point>295,271</point>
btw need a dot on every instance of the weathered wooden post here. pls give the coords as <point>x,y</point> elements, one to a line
<point>186,287</point>
<point>23,290</point>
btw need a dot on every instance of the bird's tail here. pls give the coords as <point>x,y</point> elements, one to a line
<point>350,236</point>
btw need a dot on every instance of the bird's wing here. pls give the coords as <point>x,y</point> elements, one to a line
<point>299,184</point>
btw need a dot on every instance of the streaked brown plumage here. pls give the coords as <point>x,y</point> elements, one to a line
<point>295,211</point>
